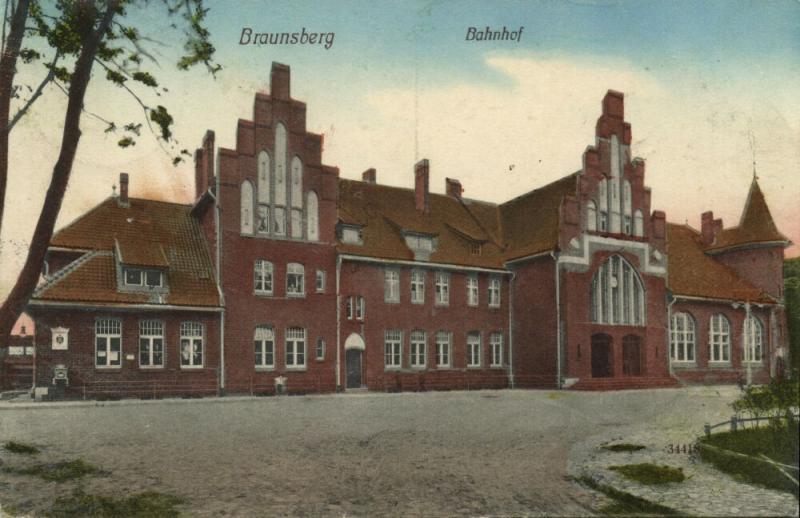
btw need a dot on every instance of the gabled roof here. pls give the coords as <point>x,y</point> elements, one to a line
<point>694,273</point>
<point>755,226</point>
<point>145,233</point>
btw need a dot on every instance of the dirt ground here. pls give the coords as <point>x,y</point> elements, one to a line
<point>431,454</point>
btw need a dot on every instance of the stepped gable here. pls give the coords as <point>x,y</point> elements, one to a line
<point>694,273</point>
<point>143,233</point>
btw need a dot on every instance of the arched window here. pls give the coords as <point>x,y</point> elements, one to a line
<point>638,224</point>
<point>312,216</point>
<point>297,198</point>
<point>627,220</point>
<point>719,339</point>
<point>263,177</point>
<point>753,340</point>
<point>279,219</point>
<point>614,184</point>
<point>682,338</point>
<point>603,202</point>
<point>591,216</point>
<point>246,220</point>
<point>617,295</point>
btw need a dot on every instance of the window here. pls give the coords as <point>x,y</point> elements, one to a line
<point>626,208</point>
<point>475,248</point>
<point>418,349</point>
<point>753,340</point>
<point>442,282</point>
<point>297,223</point>
<point>391,286</point>
<point>638,224</point>
<point>108,343</point>
<point>359,308</point>
<point>419,242</point>
<point>262,273</point>
<point>617,296</point>
<point>295,276</point>
<point>138,277</point>
<point>151,343</point>
<point>591,216</point>
<point>682,338</point>
<point>417,287</point>
<point>279,221</point>
<point>263,177</point>
<point>264,341</point>
<point>393,349</point>
<point>472,290</point>
<point>320,349</point>
<point>349,309</point>
<point>191,344</point>
<point>320,283</point>
<point>133,277</point>
<point>614,194</point>
<point>603,198</point>
<point>280,165</point>
<point>473,349</point>
<point>297,183</point>
<point>246,216</point>
<point>444,342</point>
<point>351,235</point>
<point>719,339</point>
<point>494,292</point>
<point>295,348</point>
<point>496,347</point>
<point>312,216</point>
<point>262,219</point>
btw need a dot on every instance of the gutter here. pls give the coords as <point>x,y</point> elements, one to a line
<point>668,352</point>
<point>440,266</point>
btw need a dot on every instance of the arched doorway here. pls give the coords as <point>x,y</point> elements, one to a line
<point>631,356</point>
<point>601,356</point>
<point>354,360</point>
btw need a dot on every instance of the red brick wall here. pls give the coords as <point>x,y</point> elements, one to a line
<point>763,267</point>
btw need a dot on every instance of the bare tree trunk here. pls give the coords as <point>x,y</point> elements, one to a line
<point>26,282</point>
<point>8,65</point>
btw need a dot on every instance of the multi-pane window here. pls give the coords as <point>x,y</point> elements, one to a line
<point>297,198</point>
<point>496,347</point>
<point>279,221</point>
<point>264,189</point>
<point>638,223</point>
<point>682,338</point>
<point>591,216</point>
<point>603,208</point>
<point>391,286</point>
<point>139,277</point>
<point>419,242</point>
<point>262,277</point>
<point>360,308</point>
<point>312,216</point>
<point>320,281</point>
<point>320,349</point>
<point>295,280</point>
<point>627,223</point>
<point>442,284</point>
<point>417,286</point>
<point>494,292</point>
<point>753,340</point>
<point>443,348</point>
<point>393,349</point>
<point>473,349</point>
<point>349,308</point>
<point>108,342</point>
<point>472,290</point>
<point>417,348</point>
<point>617,295</point>
<point>246,212</point>
<point>295,347</point>
<point>351,235</point>
<point>191,344</point>
<point>719,339</point>
<point>151,343</point>
<point>264,342</point>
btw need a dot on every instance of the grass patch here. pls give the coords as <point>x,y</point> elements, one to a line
<point>58,472</point>
<point>21,448</point>
<point>778,444</point>
<point>626,504</point>
<point>650,474</point>
<point>623,447</point>
<point>150,504</point>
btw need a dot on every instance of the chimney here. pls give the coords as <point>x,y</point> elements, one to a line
<point>204,165</point>
<point>717,227</point>
<point>122,199</point>
<point>707,228</point>
<point>453,188</point>
<point>369,176</point>
<point>279,81</point>
<point>613,104</point>
<point>421,197</point>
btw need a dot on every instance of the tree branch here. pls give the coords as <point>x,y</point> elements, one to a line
<point>36,94</point>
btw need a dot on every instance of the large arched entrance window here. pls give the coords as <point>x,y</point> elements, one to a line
<point>617,296</point>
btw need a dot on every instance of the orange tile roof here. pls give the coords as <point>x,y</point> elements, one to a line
<point>147,233</point>
<point>694,273</point>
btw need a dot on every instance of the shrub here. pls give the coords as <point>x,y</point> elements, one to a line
<point>21,448</point>
<point>650,474</point>
<point>58,472</point>
<point>148,504</point>
<point>623,447</point>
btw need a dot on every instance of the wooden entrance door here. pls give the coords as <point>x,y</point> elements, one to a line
<point>631,356</point>
<point>353,366</point>
<point>601,356</point>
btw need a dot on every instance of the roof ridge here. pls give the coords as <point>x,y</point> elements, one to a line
<point>68,269</point>
<point>545,186</point>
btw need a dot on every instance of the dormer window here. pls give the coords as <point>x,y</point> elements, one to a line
<point>475,248</point>
<point>146,278</point>
<point>419,242</point>
<point>351,235</point>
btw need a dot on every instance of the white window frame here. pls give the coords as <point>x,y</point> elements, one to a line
<point>473,290</point>
<point>617,295</point>
<point>591,216</point>
<point>683,338</point>
<point>264,346</point>
<point>494,292</point>
<point>320,281</point>
<point>263,277</point>
<point>150,332</point>
<point>108,330</point>
<point>473,350</point>
<point>312,216</point>
<point>719,339</point>
<point>417,286</point>
<point>298,272</point>
<point>442,285</point>
<point>418,353</point>
<point>392,349</point>
<point>360,308</point>
<point>295,348</point>
<point>320,350</point>
<point>444,349</point>
<point>753,336</point>
<point>349,307</point>
<point>192,335</point>
<point>496,348</point>
<point>391,285</point>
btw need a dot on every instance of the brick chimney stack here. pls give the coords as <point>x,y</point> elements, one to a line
<point>707,230</point>
<point>369,176</point>
<point>421,182</point>
<point>279,80</point>
<point>122,199</point>
<point>453,188</point>
<point>204,165</point>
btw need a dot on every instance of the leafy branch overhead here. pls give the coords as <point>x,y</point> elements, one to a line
<point>126,56</point>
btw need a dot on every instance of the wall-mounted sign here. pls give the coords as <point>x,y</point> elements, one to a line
<point>60,338</point>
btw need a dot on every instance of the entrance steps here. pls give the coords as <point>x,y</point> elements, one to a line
<point>625,383</point>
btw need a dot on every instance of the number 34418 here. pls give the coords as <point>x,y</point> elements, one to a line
<point>687,449</point>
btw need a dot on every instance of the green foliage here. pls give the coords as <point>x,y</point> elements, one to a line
<point>150,504</point>
<point>21,448</point>
<point>163,119</point>
<point>623,447</point>
<point>650,474</point>
<point>626,504</point>
<point>791,294</point>
<point>58,472</point>
<point>778,400</point>
<point>29,55</point>
<point>125,142</point>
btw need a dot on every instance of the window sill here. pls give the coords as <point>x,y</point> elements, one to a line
<point>719,365</point>
<point>108,367</point>
<point>263,294</point>
<point>497,367</point>
<point>474,367</point>
<point>396,368</point>
<point>444,368</point>
<point>192,367</point>
<point>684,364</point>
<point>418,367</point>
<point>295,295</point>
<point>299,368</point>
<point>391,301</point>
<point>151,367</point>
<point>264,368</point>
<point>442,305</point>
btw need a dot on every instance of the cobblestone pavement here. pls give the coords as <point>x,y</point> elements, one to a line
<point>667,441</point>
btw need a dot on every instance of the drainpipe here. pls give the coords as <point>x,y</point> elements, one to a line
<point>511,330</point>
<point>217,219</point>
<point>558,318</point>
<point>338,323</point>
<point>668,352</point>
